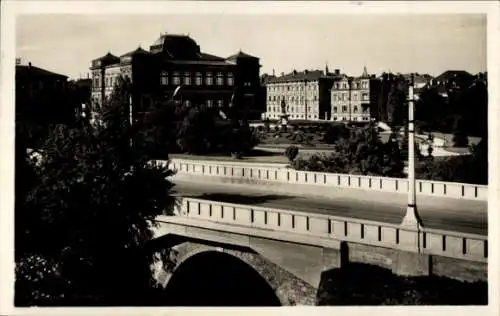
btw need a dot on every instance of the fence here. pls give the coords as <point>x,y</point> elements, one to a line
<point>430,241</point>
<point>278,174</point>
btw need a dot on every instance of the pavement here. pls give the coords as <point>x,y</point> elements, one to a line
<point>465,216</point>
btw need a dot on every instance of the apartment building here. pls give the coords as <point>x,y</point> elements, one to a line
<point>354,98</point>
<point>305,95</point>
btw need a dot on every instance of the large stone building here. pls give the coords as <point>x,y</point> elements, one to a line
<point>177,60</point>
<point>305,95</point>
<point>354,98</point>
<point>42,96</point>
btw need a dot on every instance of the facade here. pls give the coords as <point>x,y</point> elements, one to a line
<point>176,61</point>
<point>42,96</point>
<point>354,98</point>
<point>305,95</point>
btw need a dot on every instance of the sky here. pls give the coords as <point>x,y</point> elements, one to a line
<point>399,43</point>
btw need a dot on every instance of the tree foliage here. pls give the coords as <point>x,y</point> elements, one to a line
<point>460,133</point>
<point>198,129</point>
<point>360,152</point>
<point>466,169</point>
<point>291,153</point>
<point>84,219</point>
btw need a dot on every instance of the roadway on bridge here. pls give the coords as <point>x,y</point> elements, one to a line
<point>439,213</point>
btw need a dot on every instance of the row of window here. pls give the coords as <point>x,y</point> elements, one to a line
<point>345,109</point>
<point>346,118</point>
<point>355,97</point>
<point>301,87</point>
<point>293,99</point>
<point>315,117</point>
<point>186,79</point>
<point>355,85</point>
<point>293,109</point>
<point>294,116</point>
<point>292,88</point>
<point>108,81</point>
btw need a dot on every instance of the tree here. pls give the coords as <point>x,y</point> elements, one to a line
<point>291,153</point>
<point>196,130</point>
<point>83,224</point>
<point>459,133</point>
<point>334,132</point>
<point>396,100</point>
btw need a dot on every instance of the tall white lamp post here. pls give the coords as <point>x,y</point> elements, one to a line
<point>411,218</point>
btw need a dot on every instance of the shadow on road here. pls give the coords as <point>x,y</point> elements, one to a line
<point>237,198</point>
<point>364,284</point>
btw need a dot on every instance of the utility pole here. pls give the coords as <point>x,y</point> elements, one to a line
<point>411,217</point>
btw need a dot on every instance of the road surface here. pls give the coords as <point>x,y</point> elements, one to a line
<point>439,213</point>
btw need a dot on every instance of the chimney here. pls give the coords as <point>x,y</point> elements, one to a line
<point>306,71</point>
<point>337,72</point>
<point>294,72</point>
<point>29,64</point>
<point>282,74</point>
<point>18,61</point>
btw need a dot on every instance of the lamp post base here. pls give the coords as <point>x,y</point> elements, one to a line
<point>411,218</point>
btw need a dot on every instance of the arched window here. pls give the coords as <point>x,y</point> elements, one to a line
<point>164,78</point>
<point>198,79</point>
<point>187,78</point>
<point>220,79</point>
<point>209,80</point>
<point>176,79</point>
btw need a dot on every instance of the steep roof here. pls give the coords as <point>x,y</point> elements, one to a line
<point>206,56</point>
<point>138,51</point>
<point>108,58</point>
<point>309,75</point>
<point>32,70</point>
<point>240,54</point>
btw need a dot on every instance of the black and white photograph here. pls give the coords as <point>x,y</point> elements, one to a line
<point>249,159</point>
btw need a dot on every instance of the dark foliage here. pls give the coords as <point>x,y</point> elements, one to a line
<point>83,217</point>
<point>460,133</point>
<point>361,152</point>
<point>466,169</point>
<point>291,153</point>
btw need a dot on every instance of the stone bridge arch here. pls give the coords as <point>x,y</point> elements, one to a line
<point>286,288</point>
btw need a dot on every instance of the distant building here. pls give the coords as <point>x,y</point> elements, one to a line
<point>81,90</point>
<point>42,96</point>
<point>306,95</point>
<point>355,98</point>
<point>176,60</point>
<point>420,82</point>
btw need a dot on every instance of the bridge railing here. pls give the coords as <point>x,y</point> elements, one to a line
<point>278,174</point>
<point>326,227</point>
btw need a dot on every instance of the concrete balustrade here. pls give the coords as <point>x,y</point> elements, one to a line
<point>278,174</point>
<point>428,241</point>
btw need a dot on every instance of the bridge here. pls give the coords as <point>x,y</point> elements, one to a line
<point>288,244</point>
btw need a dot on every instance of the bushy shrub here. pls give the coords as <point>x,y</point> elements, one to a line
<point>291,153</point>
